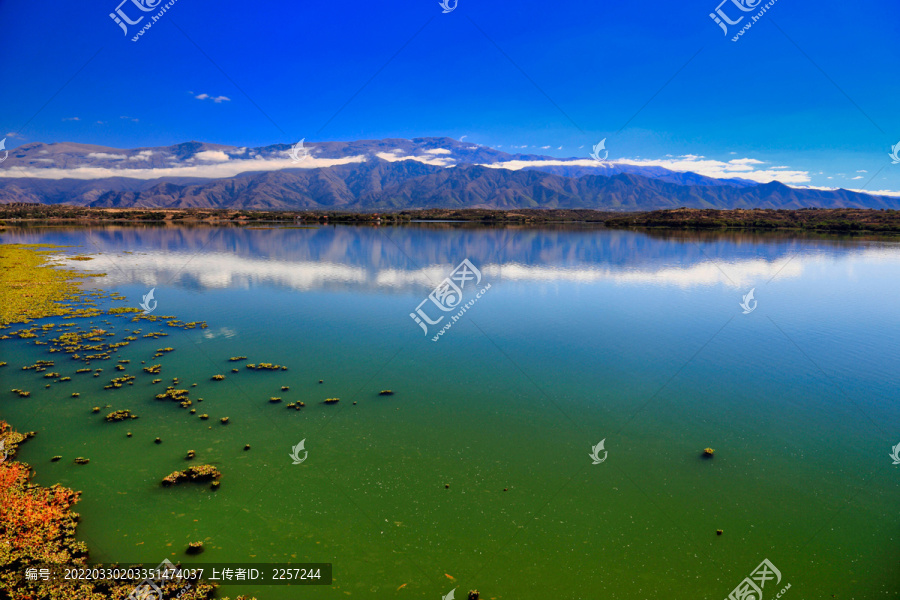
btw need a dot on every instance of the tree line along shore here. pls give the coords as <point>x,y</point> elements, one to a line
<point>840,220</point>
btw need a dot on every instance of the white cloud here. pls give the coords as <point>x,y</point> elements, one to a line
<point>857,177</point>
<point>862,171</point>
<point>439,151</point>
<point>216,99</point>
<point>437,161</point>
<point>210,170</point>
<point>12,134</point>
<point>71,119</point>
<point>132,119</point>
<point>744,168</point>
<point>142,155</point>
<point>107,156</point>
<point>212,156</point>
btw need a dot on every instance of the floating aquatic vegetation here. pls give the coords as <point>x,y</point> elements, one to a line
<point>154,370</point>
<point>120,415</point>
<point>274,399</point>
<point>284,388</point>
<point>224,420</point>
<point>190,454</point>
<point>40,364</point>
<point>82,461</point>
<point>122,310</point>
<point>386,393</point>
<point>233,358</point>
<point>119,382</point>
<point>332,400</point>
<point>177,395</point>
<point>218,377</point>
<point>198,473</point>
<point>266,366</point>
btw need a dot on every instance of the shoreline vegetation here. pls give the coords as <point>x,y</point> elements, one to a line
<point>38,525</point>
<point>839,220</point>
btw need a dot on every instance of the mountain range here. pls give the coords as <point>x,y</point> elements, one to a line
<point>376,175</point>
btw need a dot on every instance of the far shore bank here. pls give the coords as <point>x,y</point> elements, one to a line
<point>840,220</point>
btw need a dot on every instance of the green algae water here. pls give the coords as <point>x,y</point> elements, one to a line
<point>480,470</point>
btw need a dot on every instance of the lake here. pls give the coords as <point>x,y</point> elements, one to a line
<point>483,469</point>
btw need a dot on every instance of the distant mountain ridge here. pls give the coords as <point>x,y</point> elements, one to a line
<point>375,175</point>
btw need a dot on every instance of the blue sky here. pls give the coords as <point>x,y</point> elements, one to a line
<point>814,89</point>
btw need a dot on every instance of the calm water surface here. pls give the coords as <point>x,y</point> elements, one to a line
<point>584,335</point>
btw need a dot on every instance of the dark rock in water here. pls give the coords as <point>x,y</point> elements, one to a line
<point>194,548</point>
<point>82,461</point>
<point>128,434</point>
<point>224,420</point>
<point>719,532</point>
<point>56,458</point>
<point>474,595</point>
<point>215,485</point>
<point>157,441</point>
<point>190,454</point>
<point>386,393</point>
<point>246,446</point>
